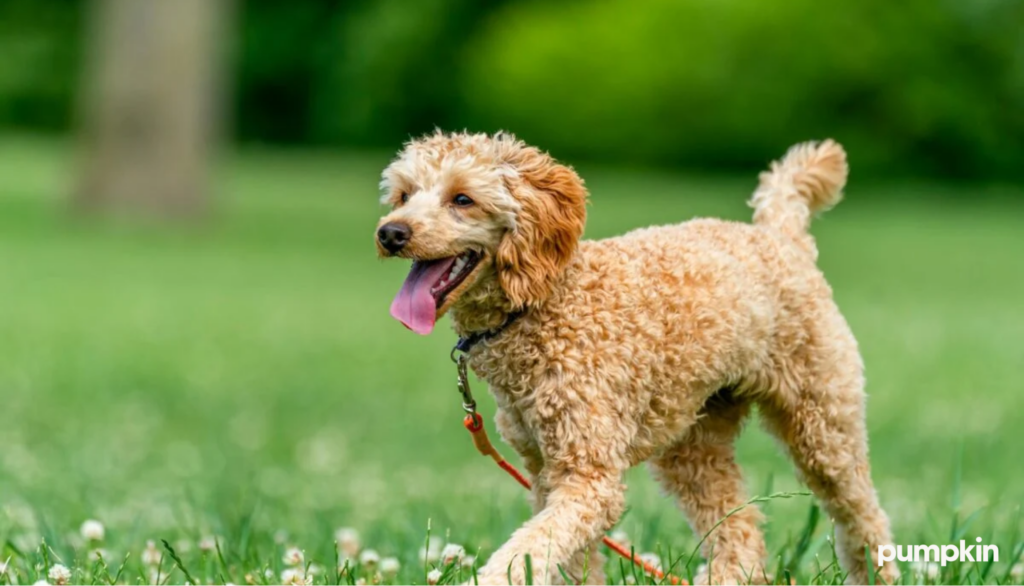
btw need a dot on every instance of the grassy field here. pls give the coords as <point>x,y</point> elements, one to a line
<point>244,381</point>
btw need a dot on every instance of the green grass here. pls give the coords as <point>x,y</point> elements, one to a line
<point>244,380</point>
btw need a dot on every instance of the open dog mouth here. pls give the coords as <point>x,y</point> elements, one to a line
<point>426,288</point>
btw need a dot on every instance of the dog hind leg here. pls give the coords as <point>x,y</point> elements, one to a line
<point>824,432</point>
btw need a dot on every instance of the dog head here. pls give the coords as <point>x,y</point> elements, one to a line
<point>468,209</point>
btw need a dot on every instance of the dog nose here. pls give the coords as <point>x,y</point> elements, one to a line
<point>393,236</point>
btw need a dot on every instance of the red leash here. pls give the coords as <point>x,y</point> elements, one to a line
<point>475,425</point>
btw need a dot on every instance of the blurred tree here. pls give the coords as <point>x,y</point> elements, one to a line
<point>931,87</point>
<point>39,69</point>
<point>151,105</point>
<point>393,70</point>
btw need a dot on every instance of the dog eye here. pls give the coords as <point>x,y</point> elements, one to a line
<point>462,200</point>
<point>404,197</point>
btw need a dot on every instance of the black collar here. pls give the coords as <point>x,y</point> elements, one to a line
<point>466,343</point>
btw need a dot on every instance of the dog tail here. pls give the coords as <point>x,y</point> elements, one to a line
<point>807,181</point>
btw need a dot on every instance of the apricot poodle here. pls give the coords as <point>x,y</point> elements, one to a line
<point>650,346</point>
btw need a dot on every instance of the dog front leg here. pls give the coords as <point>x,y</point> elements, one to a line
<point>582,503</point>
<point>511,428</point>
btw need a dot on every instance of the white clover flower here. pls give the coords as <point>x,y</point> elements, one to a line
<point>622,538</point>
<point>433,576</point>
<point>361,582</point>
<point>452,553</point>
<point>432,552</point>
<point>388,567</point>
<point>293,577</point>
<point>269,574</point>
<point>96,555</point>
<point>293,557</point>
<point>1016,572</point>
<point>41,583</point>
<point>315,570</point>
<point>917,567</point>
<point>369,559</point>
<point>468,561</point>
<point>932,571</point>
<point>348,541</point>
<point>93,530</point>
<point>208,543</point>
<point>151,556</point>
<point>60,574</point>
<point>651,559</point>
<point>630,579</point>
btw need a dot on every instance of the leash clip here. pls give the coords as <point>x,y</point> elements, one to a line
<point>468,403</point>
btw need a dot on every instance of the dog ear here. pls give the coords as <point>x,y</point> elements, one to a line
<point>548,227</point>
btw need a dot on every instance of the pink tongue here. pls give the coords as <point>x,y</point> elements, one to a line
<point>414,305</point>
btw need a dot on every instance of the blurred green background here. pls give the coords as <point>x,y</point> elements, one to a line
<point>236,373</point>
<point>930,87</point>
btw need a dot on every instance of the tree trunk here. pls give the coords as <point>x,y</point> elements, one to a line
<point>152,101</point>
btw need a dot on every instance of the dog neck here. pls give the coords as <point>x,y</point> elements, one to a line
<point>482,309</point>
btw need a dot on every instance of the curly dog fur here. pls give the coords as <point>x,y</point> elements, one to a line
<point>650,346</point>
